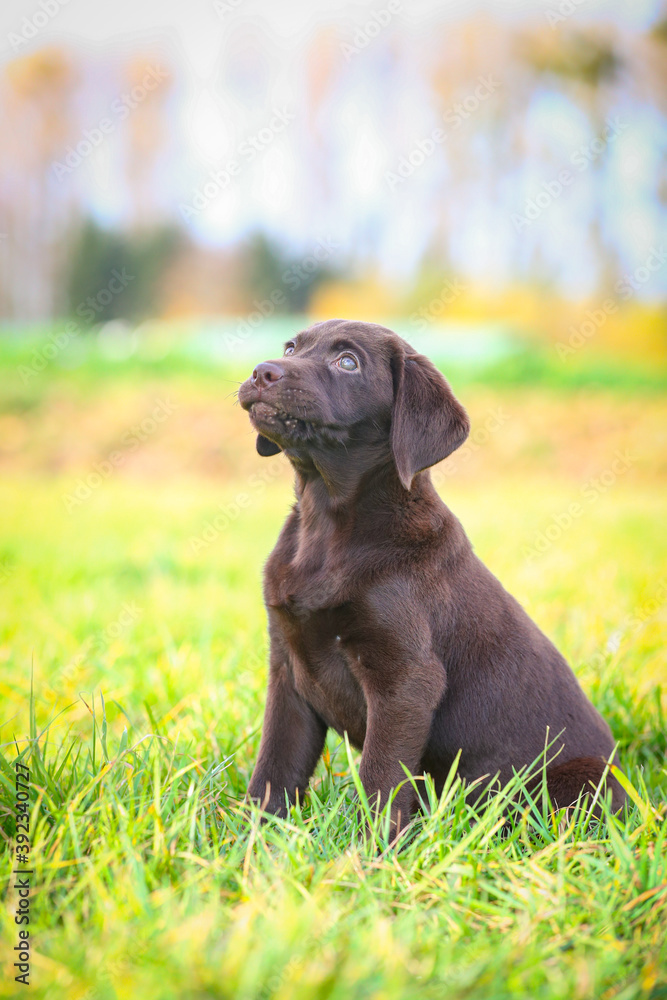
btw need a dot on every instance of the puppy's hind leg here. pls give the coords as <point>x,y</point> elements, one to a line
<point>582,775</point>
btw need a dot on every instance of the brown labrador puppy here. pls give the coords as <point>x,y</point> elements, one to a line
<point>383,622</point>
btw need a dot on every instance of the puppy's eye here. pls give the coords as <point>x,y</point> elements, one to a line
<point>347,362</point>
<point>289,349</point>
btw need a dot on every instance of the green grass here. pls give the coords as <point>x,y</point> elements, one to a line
<point>147,660</point>
<point>504,359</point>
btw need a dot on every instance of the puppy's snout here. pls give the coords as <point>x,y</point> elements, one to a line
<point>266,373</point>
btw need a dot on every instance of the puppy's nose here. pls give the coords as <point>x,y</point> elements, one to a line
<point>266,373</point>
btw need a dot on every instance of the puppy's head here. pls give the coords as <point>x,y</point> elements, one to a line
<point>342,385</point>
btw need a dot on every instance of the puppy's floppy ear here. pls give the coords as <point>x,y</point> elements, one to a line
<point>265,447</point>
<point>428,423</point>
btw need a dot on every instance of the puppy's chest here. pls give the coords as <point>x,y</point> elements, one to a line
<point>326,667</point>
<point>317,616</point>
<point>305,578</point>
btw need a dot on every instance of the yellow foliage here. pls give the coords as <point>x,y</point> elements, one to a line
<point>630,330</point>
<point>369,299</point>
<point>45,71</point>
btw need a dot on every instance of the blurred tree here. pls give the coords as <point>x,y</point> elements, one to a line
<point>118,275</point>
<point>354,118</point>
<point>459,56</point>
<point>590,61</point>
<point>147,134</point>
<point>267,268</point>
<point>36,95</point>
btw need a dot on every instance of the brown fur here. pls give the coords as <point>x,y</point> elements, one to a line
<point>383,622</point>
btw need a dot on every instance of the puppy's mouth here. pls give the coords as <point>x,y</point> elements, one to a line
<point>287,418</point>
<point>288,430</point>
<point>273,421</point>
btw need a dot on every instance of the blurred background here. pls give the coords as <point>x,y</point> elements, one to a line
<point>487,168</point>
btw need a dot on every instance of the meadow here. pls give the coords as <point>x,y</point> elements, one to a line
<point>136,517</point>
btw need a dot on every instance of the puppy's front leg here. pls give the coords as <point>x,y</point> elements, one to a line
<point>397,730</point>
<point>292,740</point>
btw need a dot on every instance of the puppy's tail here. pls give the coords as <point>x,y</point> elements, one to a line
<point>581,776</point>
